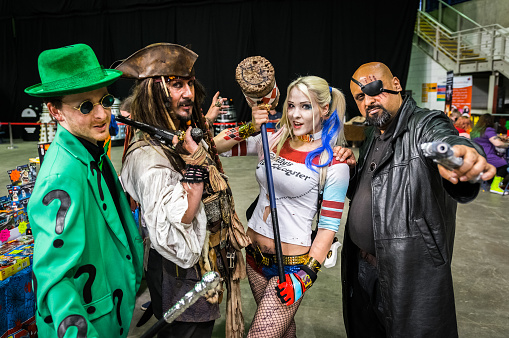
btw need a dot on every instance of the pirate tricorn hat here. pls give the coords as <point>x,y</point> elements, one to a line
<point>158,59</point>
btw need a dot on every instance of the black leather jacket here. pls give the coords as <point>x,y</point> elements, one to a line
<point>414,216</point>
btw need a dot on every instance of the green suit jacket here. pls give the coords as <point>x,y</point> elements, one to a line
<point>88,258</point>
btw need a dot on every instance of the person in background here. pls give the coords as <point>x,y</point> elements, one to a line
<point>455,115</point>
<point>215,109</point>
<point>274,119</point>
<point>125,107</point>
<point>113,126</point>
<point>495,148</point>
<point>113,130</point>
<point>88,254</point>
<point>398,242</point>
<point>462,124</point>
<point>466,123</point>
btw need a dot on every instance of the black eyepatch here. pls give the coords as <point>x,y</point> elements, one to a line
<point>373,88</point>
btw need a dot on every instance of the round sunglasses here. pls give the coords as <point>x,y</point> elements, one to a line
<point>87,106</point>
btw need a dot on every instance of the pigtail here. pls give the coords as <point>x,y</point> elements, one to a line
<point>332,131</point>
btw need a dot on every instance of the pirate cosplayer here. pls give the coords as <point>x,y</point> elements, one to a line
<point>88,253</point>
<point>185,199</point>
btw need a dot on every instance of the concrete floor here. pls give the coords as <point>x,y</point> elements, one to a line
<point>480,264</point>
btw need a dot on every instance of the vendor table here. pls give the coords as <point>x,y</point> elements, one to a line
<point>17,306</point>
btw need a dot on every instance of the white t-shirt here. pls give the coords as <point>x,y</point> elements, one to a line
<point>296,193</point>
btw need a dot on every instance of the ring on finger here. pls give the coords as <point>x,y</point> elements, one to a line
<point>218,103</point>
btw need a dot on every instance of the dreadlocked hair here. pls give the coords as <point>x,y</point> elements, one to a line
<point>150,106</point>
<point>200,122</point>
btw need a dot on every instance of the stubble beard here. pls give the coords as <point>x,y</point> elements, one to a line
<point>379,120</point>
<point>184,118</point>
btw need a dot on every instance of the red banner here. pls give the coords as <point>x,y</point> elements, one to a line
<point>462,94</point>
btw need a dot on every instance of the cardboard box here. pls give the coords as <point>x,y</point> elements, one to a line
<point>19,263</point>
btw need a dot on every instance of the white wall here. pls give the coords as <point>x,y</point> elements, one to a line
<point>423,69</point>
<point>486,12</point>
<point>480,89</point>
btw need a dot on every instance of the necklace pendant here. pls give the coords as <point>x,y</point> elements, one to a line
<point>311,137</point>
<point>306,138</point>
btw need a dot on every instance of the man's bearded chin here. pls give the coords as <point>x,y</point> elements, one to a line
<point>380,120</point>
<point>186,118</point>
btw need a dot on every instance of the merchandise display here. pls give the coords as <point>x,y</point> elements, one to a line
<point>16,255</point>
<point>17,301</point>
<point>13,207</point>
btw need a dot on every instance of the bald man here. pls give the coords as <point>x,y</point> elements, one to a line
<point>396,259</point>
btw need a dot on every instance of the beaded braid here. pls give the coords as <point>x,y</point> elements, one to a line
<point>153,99</point>
<point>150,105</point>
<point>202,124</point>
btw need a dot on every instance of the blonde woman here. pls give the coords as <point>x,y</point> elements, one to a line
<point>312,123</point>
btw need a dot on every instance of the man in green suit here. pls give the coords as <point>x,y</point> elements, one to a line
<point>88,252</point>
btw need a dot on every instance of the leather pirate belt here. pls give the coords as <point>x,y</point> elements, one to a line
<point>270,259</point>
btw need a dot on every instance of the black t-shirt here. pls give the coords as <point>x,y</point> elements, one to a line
<point>360,220</point>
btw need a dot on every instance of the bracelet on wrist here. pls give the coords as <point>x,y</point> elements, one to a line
<point>246,130</point>
<point>313,264</point>
<point>308,272</point>
<point>195,174</point>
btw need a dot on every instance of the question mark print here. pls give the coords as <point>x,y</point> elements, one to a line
<point>65,203</point>
<point>118,294</point>
<point>87,290</point>
<point>93,166</point>
<point>73,320</point>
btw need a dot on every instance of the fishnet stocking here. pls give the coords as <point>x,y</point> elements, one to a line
<point>272,319</point>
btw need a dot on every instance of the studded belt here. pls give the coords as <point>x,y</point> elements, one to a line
<point>270,259</point>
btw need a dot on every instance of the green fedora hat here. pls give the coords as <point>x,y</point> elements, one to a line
<point>70,70</point>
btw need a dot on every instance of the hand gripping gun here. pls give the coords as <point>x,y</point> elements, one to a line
<point>442,153</point>
<point>162,135</point>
